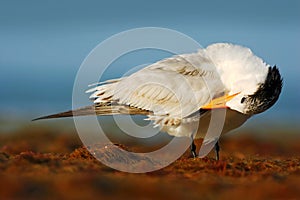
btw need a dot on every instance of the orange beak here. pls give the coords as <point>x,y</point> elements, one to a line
<point>219,102</point>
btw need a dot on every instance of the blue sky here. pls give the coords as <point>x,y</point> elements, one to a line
<point>43,43</point>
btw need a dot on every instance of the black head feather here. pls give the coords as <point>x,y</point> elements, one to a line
<point>267,93</point>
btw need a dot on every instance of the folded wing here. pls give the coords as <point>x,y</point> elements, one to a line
<point>173,88</point>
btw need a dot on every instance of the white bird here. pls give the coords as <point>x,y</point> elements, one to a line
<point>179,93</point>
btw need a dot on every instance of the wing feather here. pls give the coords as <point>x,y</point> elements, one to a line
<point>175,87</point>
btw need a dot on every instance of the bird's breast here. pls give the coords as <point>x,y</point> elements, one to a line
<point>214,122</point>
<point>220,121</point>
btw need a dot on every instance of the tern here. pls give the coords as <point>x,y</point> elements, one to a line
<point>181,92</point>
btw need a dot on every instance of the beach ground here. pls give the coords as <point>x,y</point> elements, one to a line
<point>44,163</point>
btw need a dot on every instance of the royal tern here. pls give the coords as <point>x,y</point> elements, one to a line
<point>171,92</point>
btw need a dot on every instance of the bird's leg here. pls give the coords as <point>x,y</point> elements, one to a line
<point>193,149</point>
<point>217,150</point>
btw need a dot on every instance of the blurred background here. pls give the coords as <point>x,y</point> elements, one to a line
<point>43,43</point>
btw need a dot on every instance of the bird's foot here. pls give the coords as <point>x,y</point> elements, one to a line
<point>193,149</point>
<point>217,150</point>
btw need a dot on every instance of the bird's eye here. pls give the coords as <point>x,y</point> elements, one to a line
<point>243,99</point>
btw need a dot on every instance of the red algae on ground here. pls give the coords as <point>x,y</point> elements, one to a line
<point>35,171</point>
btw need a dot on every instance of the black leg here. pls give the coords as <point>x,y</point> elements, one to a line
<point>193,149</point>
<point>217,150</point>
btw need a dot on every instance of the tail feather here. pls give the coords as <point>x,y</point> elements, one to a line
<point>99,110</point>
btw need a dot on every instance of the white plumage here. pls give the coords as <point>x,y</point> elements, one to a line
<point>174,88</point>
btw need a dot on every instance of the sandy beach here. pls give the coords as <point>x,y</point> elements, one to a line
<point>45,163</point>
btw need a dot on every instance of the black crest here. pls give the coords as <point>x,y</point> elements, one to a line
<point>267,93</point>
